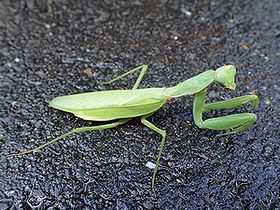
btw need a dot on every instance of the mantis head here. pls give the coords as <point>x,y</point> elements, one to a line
<point>225,76</point>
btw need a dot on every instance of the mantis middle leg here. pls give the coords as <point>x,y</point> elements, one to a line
<point>74,131</point>
<point>143,69</point>
<point>163,134</point>
<point>232,123</point>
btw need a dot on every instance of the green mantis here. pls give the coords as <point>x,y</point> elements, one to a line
<point>120,106</point>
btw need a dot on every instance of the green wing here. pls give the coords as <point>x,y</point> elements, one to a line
<point>110,105</point>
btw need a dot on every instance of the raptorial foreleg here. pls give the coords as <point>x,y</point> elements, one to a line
<point>231,123</point>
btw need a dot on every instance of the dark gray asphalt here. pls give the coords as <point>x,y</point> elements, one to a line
<point>51,48</point>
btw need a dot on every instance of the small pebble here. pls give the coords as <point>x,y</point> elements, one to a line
<point>88,72</point>
<point>186,12</point>
<point>48,26</point>
<point>170,164</point>
<point>9,64</point>
<point>150,165</point>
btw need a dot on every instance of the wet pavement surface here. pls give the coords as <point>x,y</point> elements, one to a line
<point>53,48</point>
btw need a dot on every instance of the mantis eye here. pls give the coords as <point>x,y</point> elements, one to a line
<point>225,76</point>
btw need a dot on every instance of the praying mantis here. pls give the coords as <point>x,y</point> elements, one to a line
<point>120,106</point>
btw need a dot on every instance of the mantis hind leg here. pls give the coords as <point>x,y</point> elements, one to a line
<point>74,131</point>
<point>163,134</point>
<point>143,69</point>
<point>232,123</point>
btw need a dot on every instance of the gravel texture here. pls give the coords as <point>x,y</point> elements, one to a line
<point>50,48</point>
